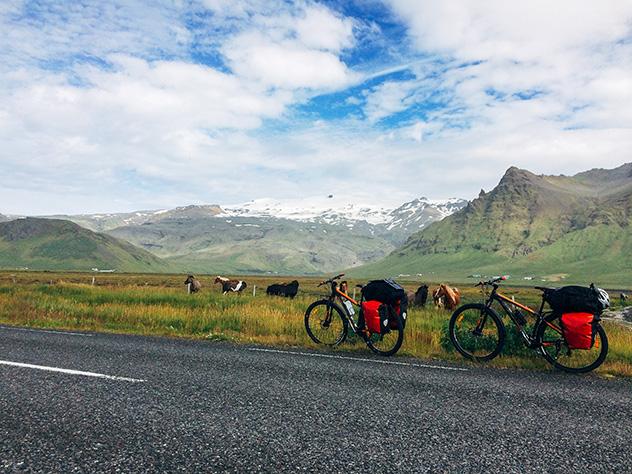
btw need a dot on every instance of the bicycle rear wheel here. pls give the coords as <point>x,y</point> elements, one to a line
<point>325,323</point>
<point>389,343</point>
<point>477,332</point>
<point>555,349</point>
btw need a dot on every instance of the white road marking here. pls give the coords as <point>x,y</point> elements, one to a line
<point>45,331</point>
<point>358,359</point>
<point>70,371</point>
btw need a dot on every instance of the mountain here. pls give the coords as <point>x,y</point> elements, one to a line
<point>415,215</point>
<point>404,220</point>
<point>104,222</point>
<point>533,226</point>
<point>302,236</point>
<point>54,244</point>
<point>256,245</point>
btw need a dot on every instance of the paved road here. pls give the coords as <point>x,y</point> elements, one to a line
<point>196,406</point>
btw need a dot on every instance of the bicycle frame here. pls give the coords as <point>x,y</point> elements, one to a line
<point>504,302</point>
<point>336,293</point>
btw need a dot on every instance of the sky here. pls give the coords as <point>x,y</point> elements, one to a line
<point>125,105</point>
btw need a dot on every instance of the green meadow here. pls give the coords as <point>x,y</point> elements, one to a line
<point>158,305</point>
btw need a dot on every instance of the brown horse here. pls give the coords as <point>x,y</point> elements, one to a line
<point>194,282</point>
<point>446,297</point>
<point>235,286</point>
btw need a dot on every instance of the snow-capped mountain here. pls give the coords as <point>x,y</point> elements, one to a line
<point>330,210</point>
<point>107,221</point>
<point>302,236</point>
<point>417,214</point>
<point>409,217</point>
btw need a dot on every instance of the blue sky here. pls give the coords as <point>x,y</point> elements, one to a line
<point>118,106</point>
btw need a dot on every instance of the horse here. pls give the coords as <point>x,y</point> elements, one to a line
<point>437,298</point>
<point>421,296</point>
<point>288,290</point>
<point>235,286</point>
<point>446,297</point>
<point>194,282</point>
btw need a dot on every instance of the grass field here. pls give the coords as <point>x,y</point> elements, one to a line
<point>157,304</point>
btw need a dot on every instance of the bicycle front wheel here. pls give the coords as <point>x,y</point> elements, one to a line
<point>325,323</point>
<point>389,343</point>
<point>477,332</point>
<point>555,349</point>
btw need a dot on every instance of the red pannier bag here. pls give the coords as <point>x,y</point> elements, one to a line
<point>371,313</point>
<point>393,320</point>
<point>578,330</point>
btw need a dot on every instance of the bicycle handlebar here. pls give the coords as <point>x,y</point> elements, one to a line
<point>492,281</point>
<point>331,280</point>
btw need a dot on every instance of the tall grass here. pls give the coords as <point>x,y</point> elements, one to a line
<point>128,304</point>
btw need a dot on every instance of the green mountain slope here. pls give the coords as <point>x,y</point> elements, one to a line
<point>261,245</point>
<point>52,244</point>
<point>547,227</point>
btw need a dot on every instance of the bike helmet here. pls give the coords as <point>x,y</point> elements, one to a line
<point>603,297</point>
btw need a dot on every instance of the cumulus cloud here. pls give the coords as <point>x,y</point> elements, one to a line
<point>102,104</point>
<point>285,64</point>
<point>109,106</point>
<point>575,51</point>
<point>544,86</point>
<point>496,29</point>
<point>318,27</point>
<point>293,50</point>
<point>164,120</point>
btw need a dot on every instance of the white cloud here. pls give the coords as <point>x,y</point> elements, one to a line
<point>285,64</point>
<point>157,124</point>
<point>562,48</point>
<point>388,98</point>
<point>122,118</point>
<point>102,108</point>
<point>319,28</point>
<point>58,32</point>
<point>501,30</point>
<point>541,85</point>
<point>242,8</point>
<point>295,49</point>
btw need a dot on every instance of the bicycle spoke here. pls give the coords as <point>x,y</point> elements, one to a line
<point>556,350</point>
<point>324,324</point>
<point>475,333</point>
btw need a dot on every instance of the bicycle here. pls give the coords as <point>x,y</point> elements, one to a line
<point>328,322</point>
<point>478,332</point>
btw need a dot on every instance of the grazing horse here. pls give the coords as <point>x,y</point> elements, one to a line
<point>236,286</point>
<point>446,297</point>
<point>421,296</point>
<point>194,282</point>
<point>288,290</point>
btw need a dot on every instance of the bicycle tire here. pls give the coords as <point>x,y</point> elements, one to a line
<point>601,345</point>
<point>395,336</point>
<point>319,324</point>
<point>485,341</point>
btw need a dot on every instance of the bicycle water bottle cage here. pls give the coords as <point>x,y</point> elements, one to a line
<point>520,317</point>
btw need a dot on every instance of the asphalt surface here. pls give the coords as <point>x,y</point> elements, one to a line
<point>215,407</point>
